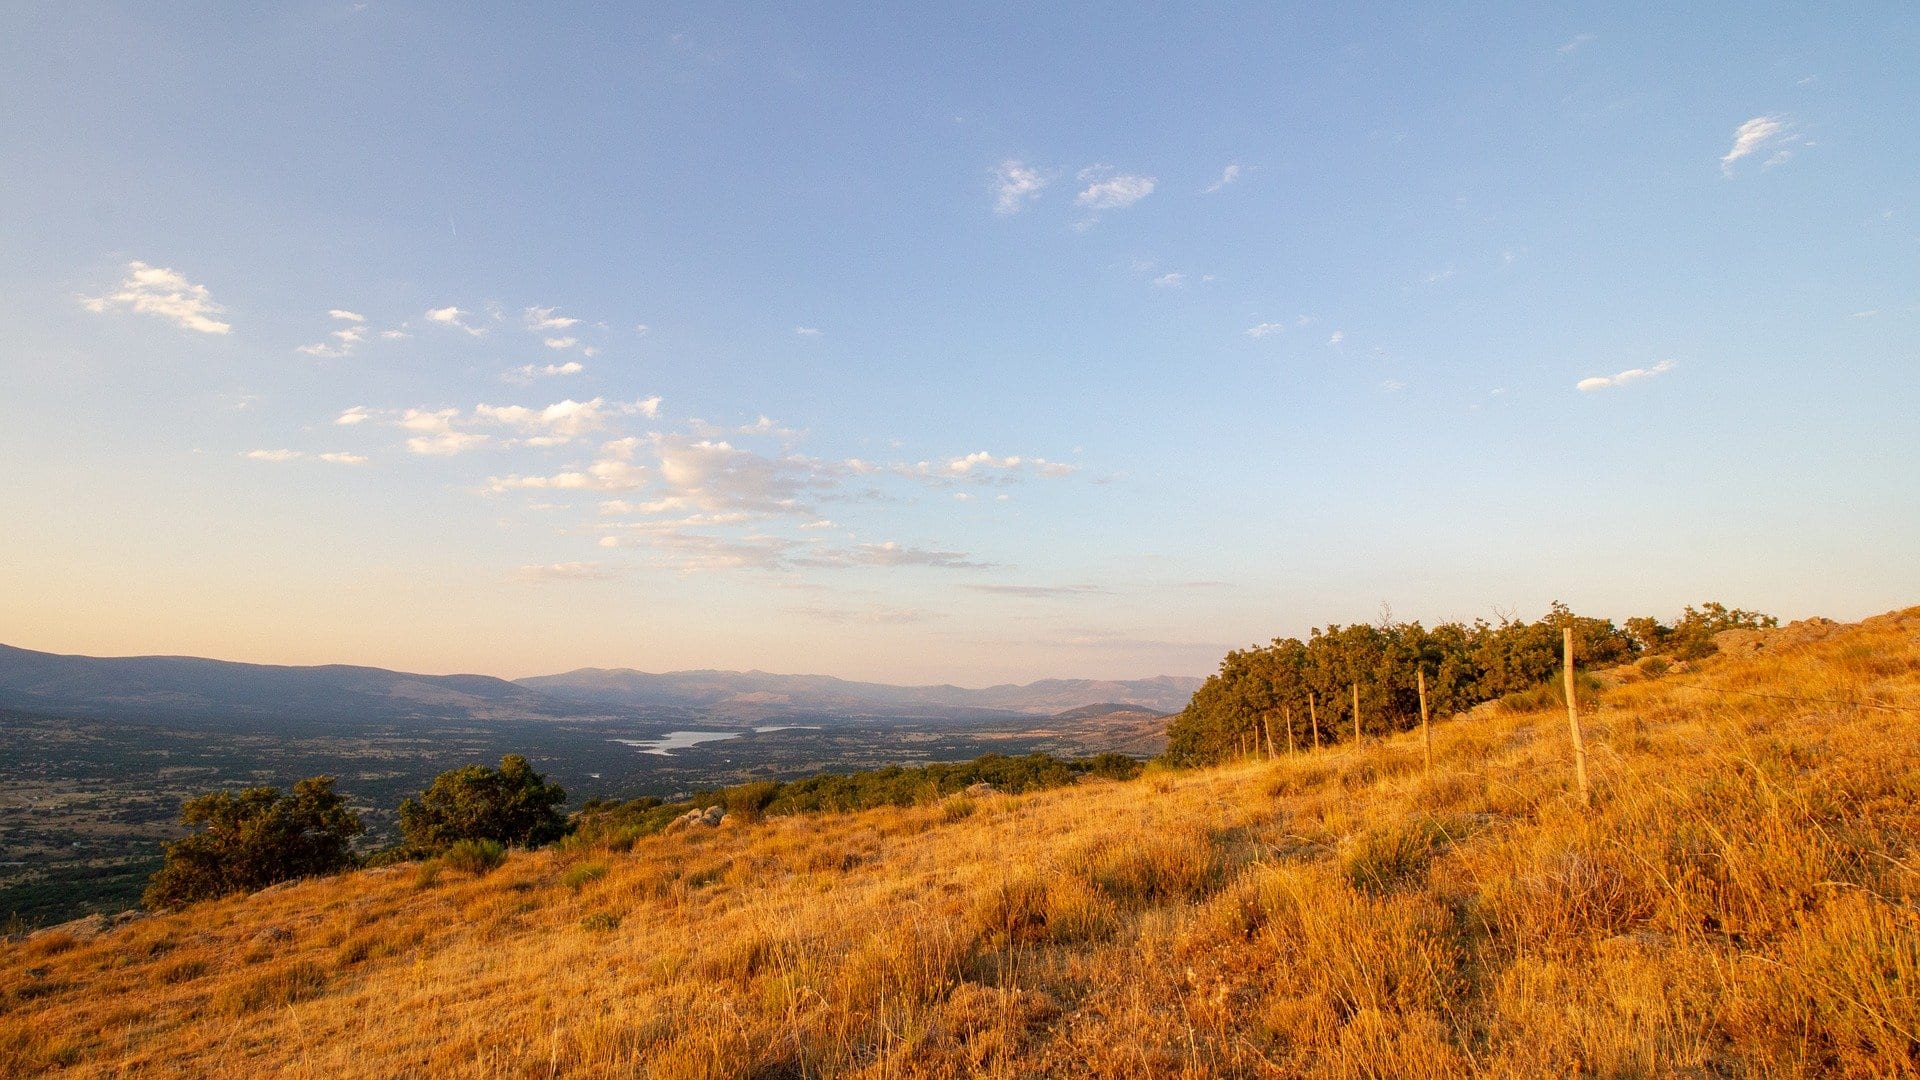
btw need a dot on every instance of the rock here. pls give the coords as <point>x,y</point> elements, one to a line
<point>981,790</point>
<point>273,935</point>
<point>82,929</point>
<point>713,816</point>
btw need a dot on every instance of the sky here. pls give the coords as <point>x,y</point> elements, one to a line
<point>928,346</point>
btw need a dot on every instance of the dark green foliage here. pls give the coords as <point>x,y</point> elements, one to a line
<point>1692,637</point>
<point>1465,665</point>
<point>509,805</point>
<point>254,839</point>
<point>617,825</point>
<point>474,857</point>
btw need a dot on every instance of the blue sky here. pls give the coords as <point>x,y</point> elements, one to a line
<point>943,347</point>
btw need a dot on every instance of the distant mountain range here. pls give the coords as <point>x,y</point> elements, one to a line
<point>626,688</point>
<point>189,687</point>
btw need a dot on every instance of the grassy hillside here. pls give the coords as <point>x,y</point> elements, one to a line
<point>1740,901</point>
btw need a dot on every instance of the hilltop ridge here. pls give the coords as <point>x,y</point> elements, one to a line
<point>1739,901</point>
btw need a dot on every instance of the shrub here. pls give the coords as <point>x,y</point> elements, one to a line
<point>254,839</point>
<point>474,857</point>
<point>581,876</point>
<point>601,921</point>
<point>509,805</point>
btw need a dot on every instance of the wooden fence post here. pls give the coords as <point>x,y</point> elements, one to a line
<point>1573,724</point>
<point>1289,729</point>
<point>1313,715</point>
<point>1426,731</point>
<point>1358,732</point>
<point>1266,722</point>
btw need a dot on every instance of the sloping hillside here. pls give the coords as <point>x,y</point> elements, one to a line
<point>1739,901</point>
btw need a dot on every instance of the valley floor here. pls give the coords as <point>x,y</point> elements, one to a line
<point>1739,901</point>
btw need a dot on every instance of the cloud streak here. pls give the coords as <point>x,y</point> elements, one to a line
<point>1631,375</point>
<point>159,291</point>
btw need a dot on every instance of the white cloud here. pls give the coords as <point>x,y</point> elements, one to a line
<point>1228,175</point>
<point>345,339</point>
<point>272,455</point>
<point>561,342</point>
<point>823,523</point>
<point>1392,386</point>
<point>1603,382</point>
<point>1757,134</point>
<point>543,318</point>
<point>1171,281</point>
<point>1014,186</point>
<point>1337,337</point>
<point>435,434</point>
<point>642,329</point>
<point>358,414</point>
<point>394,335</point>
<point>806,331</point>
<point>1573,46</point>
<point>566,571</point>
<point>612,470</point>
<point>563,421</point>
<point>156,290</point>
<point>339,458</point>
<point>1265,329</point>
<point>527,373</point>
<point>1113,193</point>
<point>1867,314</point>
<point>348,316</point>
<point>961,466</point>
<point>454,317</point>
<point>891,554</point>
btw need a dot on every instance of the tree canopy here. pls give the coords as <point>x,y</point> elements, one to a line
<point>512,804</point>
<point>1465,664</point>
<point>253,839</point>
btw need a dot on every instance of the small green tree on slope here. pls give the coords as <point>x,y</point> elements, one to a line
<point>511,805</point>
<point>253,839</point>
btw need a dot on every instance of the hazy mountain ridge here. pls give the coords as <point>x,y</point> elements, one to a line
<point>625,687</point>
<point>183,685</point>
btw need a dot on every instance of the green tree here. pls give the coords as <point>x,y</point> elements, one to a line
<point>509,805</point>
<point>253,839</point>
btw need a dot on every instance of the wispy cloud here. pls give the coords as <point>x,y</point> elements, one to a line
<point>343,458</point>
<point>344,340</point>
<point>357,414</point>
<point>1014,186</point>
<point>271,455</point>
<point>527,373</point>
<point>563,421</point>
<point>1037,592</point>
<point>348,316</point>
<point>1228,175</point>
<point>1336,337</point>
<point>1265,329</point>
<point>434,433</point>
<point>156,290</point>
<point>1605,382</point>
<point>1579,41</point>
<point>565,571</point>
<point>1762,133</point>
<point>542,319</point>
<point>806,331</point>
<point>1171,281</point>
<point>455,317</point>
<point>1105,192</point>
<point>612,470</point>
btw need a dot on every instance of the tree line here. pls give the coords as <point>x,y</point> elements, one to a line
<point>1299,694</point>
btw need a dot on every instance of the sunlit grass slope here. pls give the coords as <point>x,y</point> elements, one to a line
<point>1740,901</point>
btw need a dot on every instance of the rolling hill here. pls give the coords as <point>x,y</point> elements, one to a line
<point>1738,901</point>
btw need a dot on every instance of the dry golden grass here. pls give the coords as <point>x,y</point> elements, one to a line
<point>1740,901</point>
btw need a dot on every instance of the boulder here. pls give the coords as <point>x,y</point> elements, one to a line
<point>981,790</point>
